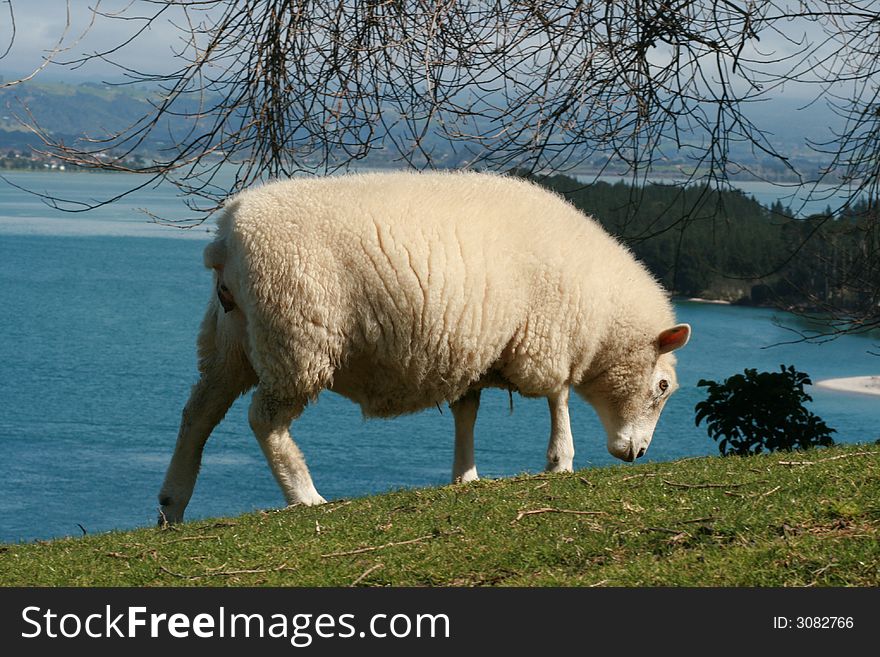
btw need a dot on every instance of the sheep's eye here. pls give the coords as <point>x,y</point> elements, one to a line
<point>664,385</point>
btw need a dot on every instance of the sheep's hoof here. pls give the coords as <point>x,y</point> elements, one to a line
<point>168,515</point>
<point>466,477</point>
<point>310,500</point>
<point>167,518</point>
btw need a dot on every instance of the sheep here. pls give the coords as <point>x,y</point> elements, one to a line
<point>401,291</point>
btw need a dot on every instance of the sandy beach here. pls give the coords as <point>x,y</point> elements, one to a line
<point>867,385</point>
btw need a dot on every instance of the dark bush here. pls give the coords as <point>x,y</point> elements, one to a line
<point>756,411</point>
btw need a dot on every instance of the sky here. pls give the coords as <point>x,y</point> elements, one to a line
<point>39,25</point>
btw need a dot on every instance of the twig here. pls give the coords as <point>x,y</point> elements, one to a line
<point>120,555</point>
<point>587,482</point>
<point>336,505</point>
<point>83,529</point>
<point>224,573</point>
<point>824,568</point>
<point>599,583</point>
<point>769,492</point>
<point>667,530</point>
<point>636,476</point>
<point>706,519</point>
<point>379,547</point>
<point>145,551</point>
<point>547,509</point>
<point>830,458</point>
<point>191,538</point>
<point>683,485</point>
<point>365,573</point>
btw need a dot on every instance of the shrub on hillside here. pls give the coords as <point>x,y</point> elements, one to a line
<point>756,411</point>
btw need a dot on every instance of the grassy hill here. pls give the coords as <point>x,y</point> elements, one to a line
<point>787,519</point>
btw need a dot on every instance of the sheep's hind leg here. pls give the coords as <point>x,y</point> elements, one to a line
<point>219,386</point>
<point>465,413</point>
<point>270,420</point>
<point>560,451</point>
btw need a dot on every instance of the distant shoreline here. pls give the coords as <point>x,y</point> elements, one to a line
<point>866,385</point>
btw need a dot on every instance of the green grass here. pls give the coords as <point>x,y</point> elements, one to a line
<point>796,519</point>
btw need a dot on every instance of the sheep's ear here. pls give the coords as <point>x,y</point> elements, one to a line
<point>673,338</point>
<point>215,254</point>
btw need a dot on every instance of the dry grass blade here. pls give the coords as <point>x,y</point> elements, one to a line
<point>334,506</point>
<point>830,458</point>
<point>224,573</point>
<point>191,538</point>
<point>547,509</point>
<point>366,573</point>
<point>676,484</point>
<point>373,548</point>
<point>769,492</point>
<point>639,476</point>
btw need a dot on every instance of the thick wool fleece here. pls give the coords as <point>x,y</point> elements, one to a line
<point>404,290</point>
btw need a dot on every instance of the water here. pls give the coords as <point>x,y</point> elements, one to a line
<point>97,331</point>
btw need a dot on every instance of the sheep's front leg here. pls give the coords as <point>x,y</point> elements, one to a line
<point>560,451</point>
<point>465,413</point>
<point>270,420</point>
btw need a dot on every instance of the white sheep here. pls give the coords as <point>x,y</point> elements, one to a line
<point>404,290</point>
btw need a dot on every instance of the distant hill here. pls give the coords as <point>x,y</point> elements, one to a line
<point>68,112</point>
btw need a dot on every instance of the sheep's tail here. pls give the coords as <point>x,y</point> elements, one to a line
<point>215,254</point>
<point>215,258</point>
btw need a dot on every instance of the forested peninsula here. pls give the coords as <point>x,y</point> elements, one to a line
<point>725,245</point>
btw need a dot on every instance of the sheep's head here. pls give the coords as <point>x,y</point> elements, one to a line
<point>630,394</point>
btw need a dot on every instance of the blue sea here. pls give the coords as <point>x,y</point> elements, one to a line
<point>98,318</point>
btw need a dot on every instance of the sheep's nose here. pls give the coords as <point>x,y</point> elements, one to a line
<point>641,452</point>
